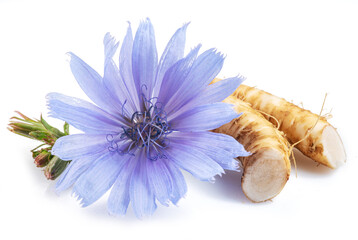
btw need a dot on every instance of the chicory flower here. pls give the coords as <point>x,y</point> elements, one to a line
<point>149,119</point>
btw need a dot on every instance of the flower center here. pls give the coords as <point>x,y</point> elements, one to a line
<point>148,131</point>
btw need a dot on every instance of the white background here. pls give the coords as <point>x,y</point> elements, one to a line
<point>298,50</point>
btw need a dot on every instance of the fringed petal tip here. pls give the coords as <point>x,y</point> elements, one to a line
<point>81,201</point>
<point>241,77</point>
<point>174,201</point>
<point>50,96</point>
<point>110,46</point>
<point>233,165</point>
<point>68,56</point>
<point>243,153</point>
<point>220,56</point>
<point>109,39</point>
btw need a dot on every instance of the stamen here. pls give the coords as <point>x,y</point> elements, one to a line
<point>124,111</point>
<point>149,130</point>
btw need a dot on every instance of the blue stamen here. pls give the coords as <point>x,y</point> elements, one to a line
<point>124,109</point>
<point>149,130</point>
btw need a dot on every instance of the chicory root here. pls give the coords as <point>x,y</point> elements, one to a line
<point>309,132</point>
<point>267,170</point>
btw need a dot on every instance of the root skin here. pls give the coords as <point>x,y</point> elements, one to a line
<point>267,170</point>
<point>323,144</point>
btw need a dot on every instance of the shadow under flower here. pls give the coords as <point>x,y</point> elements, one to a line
<point>227,187</point>
<point>98,210</point>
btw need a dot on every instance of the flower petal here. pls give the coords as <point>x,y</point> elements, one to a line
<point>74,170</point>
<point>215,140</point>
<point>91,83</point>
<point>100,177</point>
<point>119,199</point>
<point>166,180</point>
<point>179,187</point>
<point>191,160</point>
<point>144,59</point>
<point>113,84</point>
<point>213,93</point>
<point>110,47</point>
<point>205,117</point>
<point>218,91</point>
<point>126,73</point>
<point>160,180</point>
<point>175,76</point>
<point>214,147</point>
<point>112,81</point>
<point>172,53</point>
<point>203,71</point>
<point>79,145</point>
<point>82,115</point>
<point>141,195</point>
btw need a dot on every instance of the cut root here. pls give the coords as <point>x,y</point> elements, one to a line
<point>266,177</point>
<point>333,148</point>
<point>267,170</point>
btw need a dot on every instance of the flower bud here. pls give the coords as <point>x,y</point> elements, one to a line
<point>35,129</point>
<point>42,131</point>
<point>35,153</point>
<point>55,167</point>
<point>42,159</point>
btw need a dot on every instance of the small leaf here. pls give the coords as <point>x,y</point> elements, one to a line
<point>24,117</point>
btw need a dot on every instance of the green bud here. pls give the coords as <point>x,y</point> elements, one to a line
<point>43,136</point>
<point>42,159</point>
<point>39,135</point>
<point>55,167</point>
<point>25,126</point>
<point>42,131</point>
<point>36,152</point>
<point>35,129</point>
<point>22,129</point>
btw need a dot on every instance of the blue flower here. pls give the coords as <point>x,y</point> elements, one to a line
<point>149,119</point>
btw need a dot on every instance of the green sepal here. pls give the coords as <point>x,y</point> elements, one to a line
<point>66,128</point>
<point>39,135</point>
<point>51,129</point>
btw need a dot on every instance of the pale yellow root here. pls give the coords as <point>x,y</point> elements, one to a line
<point>267,170</point>
<point>316,138</point>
